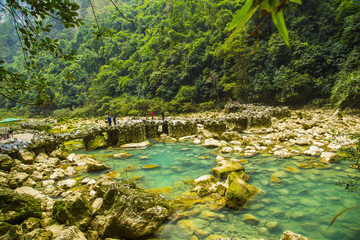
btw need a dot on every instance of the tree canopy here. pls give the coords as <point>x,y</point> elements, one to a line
<point>181,55</point>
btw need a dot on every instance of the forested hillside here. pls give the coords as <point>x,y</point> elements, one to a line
<point>179,56</point>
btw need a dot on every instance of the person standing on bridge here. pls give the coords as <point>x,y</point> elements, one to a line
<point>109,120</point>
<point>152,115</point>
<point>162,114</point>
<point>114,120</point>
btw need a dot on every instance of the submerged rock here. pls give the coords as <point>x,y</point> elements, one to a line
<point>320,165</point>
<point>305,165</point>
<point>251,219</point>
<point>128,212</point>
<point>122,155</point>
<point>150,166</point>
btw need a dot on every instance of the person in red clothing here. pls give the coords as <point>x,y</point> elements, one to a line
<point>152,115</point>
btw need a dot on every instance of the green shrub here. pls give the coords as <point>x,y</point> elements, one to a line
<point>346,92</point>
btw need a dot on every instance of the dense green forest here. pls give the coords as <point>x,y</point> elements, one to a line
<point>179,56</point>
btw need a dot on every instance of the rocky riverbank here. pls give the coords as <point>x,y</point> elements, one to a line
<point>42,198</point>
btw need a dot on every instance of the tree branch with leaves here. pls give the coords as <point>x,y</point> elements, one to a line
<point>30,22</point>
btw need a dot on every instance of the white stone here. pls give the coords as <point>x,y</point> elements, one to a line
<point>70,171</point>
<point>91,182</point>
<point>249,148</point>
<point>58,174</point>
<point>263,148</point>
<point>97,204</point>
<point>318,144</point>
<point>237,143</point>
<point>283,153</point>
<point>136,145</point>
<point>71,233</point>
<point>314,151</point>
<point>49,189</point>
<point>86,180</point>
<point>46,183</point>
<point>223,143</point>
<point>210,142</point>
<point>329,157</point>
<point>248,154</point>
<point>68,183</point>
<point>227,150</point>
<point>268,142</point>
<point>219,158</point>
<point>238,149</point>
<point>92,193</point>
<point>334,147</point>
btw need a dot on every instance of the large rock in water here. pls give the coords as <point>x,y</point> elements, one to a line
<point>224,168</point>
<point>15,207</point>
<point>125,211</point>
<point>239,192</point>
<point>289,235</point>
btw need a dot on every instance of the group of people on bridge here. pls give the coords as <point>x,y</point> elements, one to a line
<point>162,115</point>
<point>113,119</point>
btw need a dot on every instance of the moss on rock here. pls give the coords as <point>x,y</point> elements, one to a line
<point>239,192</point>
<point>96,142</point>
<point>224,168</point>
<point>15,207</point>
<point>74,210</point>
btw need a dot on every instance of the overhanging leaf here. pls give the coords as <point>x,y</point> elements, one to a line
<point>296,1</point>
<point>279,21</point>
<point>244,14</point>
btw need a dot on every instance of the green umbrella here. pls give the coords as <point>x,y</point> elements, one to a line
<point>7,120</point>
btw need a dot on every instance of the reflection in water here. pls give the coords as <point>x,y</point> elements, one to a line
<point>291,198</point>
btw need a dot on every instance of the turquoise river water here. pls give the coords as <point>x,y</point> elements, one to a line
<point>305,202</point>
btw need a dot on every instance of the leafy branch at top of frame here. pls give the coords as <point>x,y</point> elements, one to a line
<point>268,8</point>
<point>29,19</point>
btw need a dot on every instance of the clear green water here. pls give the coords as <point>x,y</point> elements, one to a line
<point>305,202</point>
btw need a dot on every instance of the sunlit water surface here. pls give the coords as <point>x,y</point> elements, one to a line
<point>305,202</point>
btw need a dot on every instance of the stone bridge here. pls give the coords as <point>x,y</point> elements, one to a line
<point>135,131</point>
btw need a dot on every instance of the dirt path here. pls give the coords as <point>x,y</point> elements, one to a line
<point>22,137</point>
